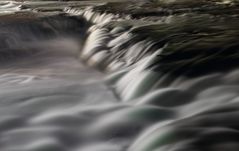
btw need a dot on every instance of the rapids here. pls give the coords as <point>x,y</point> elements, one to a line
<point>76,79</point>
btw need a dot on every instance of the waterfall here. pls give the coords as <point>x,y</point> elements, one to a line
<point>114,49</point>
<point>129,59</point>
<point>79,78</point>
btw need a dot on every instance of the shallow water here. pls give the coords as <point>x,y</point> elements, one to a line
<point>53,98</point>
<point>44,87</point>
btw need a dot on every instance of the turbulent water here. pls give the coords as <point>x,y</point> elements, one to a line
<point>73,79</point>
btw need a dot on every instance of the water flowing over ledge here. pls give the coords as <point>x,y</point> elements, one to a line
<point>175,77</point>
<point>151,67</point>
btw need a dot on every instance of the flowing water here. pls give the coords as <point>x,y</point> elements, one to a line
<point>54,98</point>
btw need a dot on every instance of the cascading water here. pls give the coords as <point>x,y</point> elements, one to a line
<point>162,84</point>
<point>184,98</point>
<point>9,7</point>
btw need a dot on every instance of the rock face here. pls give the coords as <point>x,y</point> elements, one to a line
<point>168,80</point>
